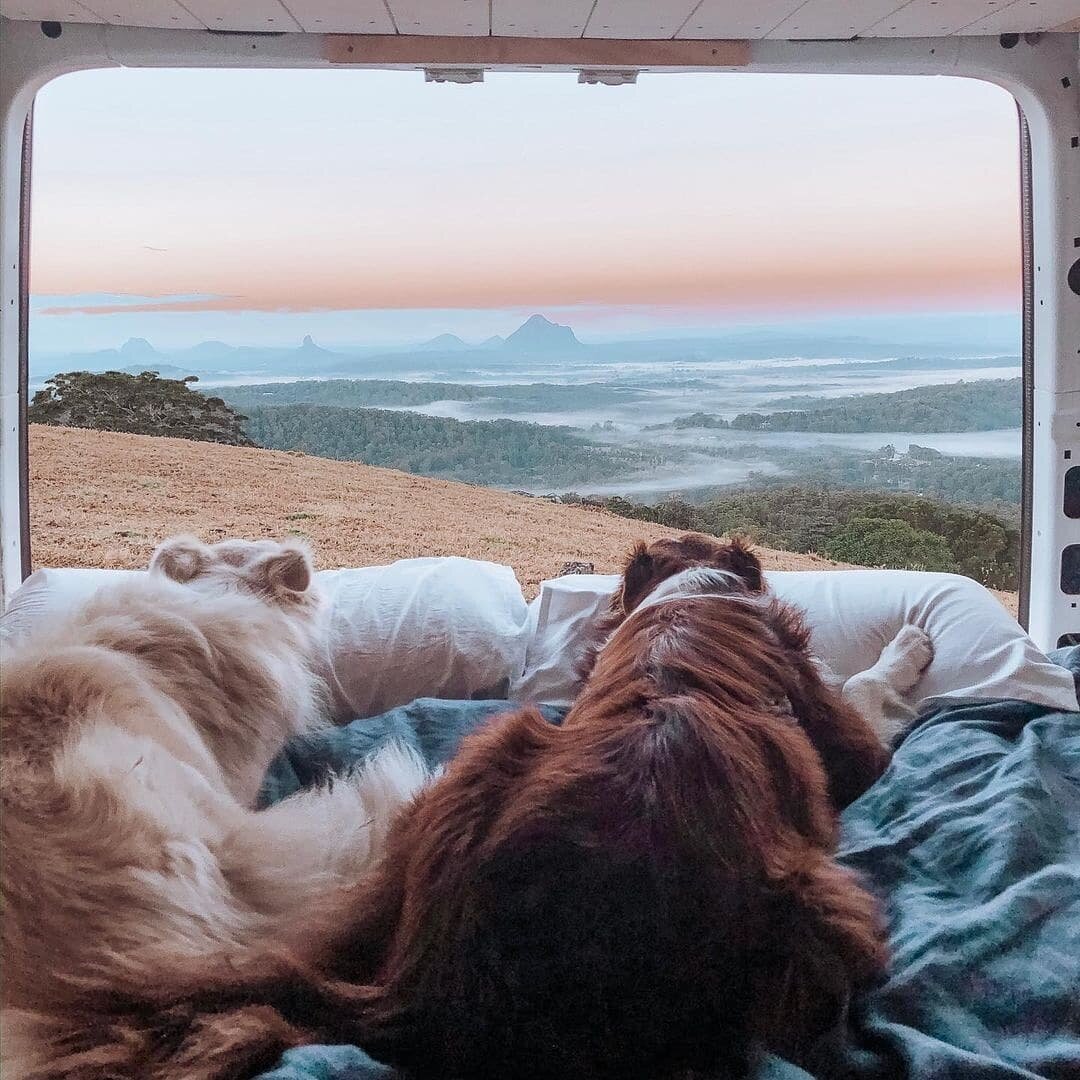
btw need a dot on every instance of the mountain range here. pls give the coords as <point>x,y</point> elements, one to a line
<point>537,339</point>
<point>537,335</point>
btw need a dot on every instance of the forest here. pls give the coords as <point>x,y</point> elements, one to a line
<point>990,482</point>
<point>538,397</point>
<point>904,532</point>
<point>475,451</point>
<point>987,405</point>
<point>501,452</point>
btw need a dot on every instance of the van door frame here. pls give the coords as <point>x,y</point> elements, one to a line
<point>1041,71</point>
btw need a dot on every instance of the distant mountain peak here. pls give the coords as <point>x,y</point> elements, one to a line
<point>308,345</point>
<point>211,346</point>
<point>443,343</point>
<point>136,348</point>
<point>537,334</point>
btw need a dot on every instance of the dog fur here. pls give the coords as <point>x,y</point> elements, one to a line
<point>647,891</point>
<point>681,565</point>
<point>135,738</point>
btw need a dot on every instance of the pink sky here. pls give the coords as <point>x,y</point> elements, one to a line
<point>315,192</point>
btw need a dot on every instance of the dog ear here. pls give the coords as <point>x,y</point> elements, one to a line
<point>637,577</point>
<point>289,572</point>
<point>741,560</point>
<point>180,558</point>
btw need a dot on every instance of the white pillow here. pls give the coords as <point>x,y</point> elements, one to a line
<point>561,621</point>
<point>981,652</point>
<point>48,593</point>
<point>449,628</point>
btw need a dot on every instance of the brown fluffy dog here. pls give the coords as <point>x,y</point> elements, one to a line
<point>649,888</point>
<point>849,740</point>
<point>647,891</point>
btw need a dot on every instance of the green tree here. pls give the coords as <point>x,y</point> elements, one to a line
<point>143,404</point>
<point>864,527</point>
<point>889,542</point>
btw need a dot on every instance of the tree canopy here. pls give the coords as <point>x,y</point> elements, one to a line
<point>867,528</point>
<point>473,451</point>
<point>985,405</point>
<point>143,404</point>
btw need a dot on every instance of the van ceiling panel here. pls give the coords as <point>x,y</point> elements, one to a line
<point>931,18</point>
<point>527,18</point>
<point>626,19</point>
<point>637,19</point>
<point>267,15</point>
<point>48,11</point>
<point>165,13</point>
<point>828,19</point>
<point>722,18</point>
<point>1040,15</point>
<point>440,18</point>
<point>339,16</point>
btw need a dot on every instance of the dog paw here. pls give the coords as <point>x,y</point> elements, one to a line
<point>906,657</point>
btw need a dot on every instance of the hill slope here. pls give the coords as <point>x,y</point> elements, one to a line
<point>105,499</point>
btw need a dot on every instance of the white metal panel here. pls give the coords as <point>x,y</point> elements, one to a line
<point>452,18</point>
<point>243,15</point>
<point>638,19</point>
<point>839,19</point>
<point>1027,15</point>
<point>526,18</point>
<point>342,16</point>
<point>630,19</point>
<point>166,13</point>
<point>934,18</point>
<point>48,11</point>
<point>732,19</point>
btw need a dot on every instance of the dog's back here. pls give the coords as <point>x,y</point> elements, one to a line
<point>135,737</point>
<point>647,890</point>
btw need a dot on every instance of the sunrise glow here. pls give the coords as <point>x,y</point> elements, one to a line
<point>206,202</point>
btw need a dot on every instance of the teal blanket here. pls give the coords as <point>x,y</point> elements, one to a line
<point>972,841</point>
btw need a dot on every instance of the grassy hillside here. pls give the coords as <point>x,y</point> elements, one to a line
<point>104,499</point>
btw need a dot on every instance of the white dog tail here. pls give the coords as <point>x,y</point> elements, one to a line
<point>282,860</point>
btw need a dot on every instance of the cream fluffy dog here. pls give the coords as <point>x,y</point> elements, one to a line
<point>135,738</point>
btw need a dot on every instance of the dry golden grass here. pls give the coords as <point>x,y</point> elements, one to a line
<point>103,499</point>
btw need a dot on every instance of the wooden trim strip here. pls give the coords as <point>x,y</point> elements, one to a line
<point>571,53</point>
